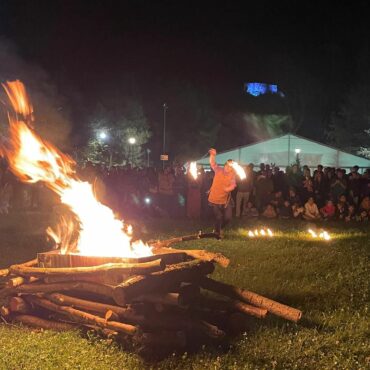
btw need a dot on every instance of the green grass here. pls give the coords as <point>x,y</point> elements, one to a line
<point>329,282</point>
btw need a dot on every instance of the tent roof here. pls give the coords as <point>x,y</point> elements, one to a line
<point>282,152</point>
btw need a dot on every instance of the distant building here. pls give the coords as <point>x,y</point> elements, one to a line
<point>259,88</point>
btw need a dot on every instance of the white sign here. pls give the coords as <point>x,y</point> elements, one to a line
<point>164,157</point>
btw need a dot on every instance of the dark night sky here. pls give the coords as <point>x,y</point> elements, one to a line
<point>89,47</point>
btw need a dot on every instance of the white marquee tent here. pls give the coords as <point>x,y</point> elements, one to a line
<point>282,151</point>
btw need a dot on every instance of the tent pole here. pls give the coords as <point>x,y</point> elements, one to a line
<point>288,151</point>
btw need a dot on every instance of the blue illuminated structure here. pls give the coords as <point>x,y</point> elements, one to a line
<point>258,88</point>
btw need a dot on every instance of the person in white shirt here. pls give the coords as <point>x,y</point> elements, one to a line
<point>311,212</point>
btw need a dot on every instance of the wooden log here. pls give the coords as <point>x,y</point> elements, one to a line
<point>84,317</point>
<point>18,304</point>
<point>108,268</point>
<point>106,332</point>
<point>100,289</point>
<point>200,254</point>
<point>185,238</point>
<point>188,293</point>
<point>212,331</point>
<point>162,280</point>
<point>125,313</point>
<point>230,306</point>
<point>171,299</point>
<point>6,272</point>
<point>4,311</point>
<point>55,259</point>
<point>100,279</point>
<point>19,280</point>
<point>231,291</point>
<point>37,322</point>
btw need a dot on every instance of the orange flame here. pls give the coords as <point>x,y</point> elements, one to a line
<point>18,98</point>
<point>33,160</point>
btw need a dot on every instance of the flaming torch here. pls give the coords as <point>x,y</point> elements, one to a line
<point>32,159</point>
<point>193,170</point>
<point>239,170</point>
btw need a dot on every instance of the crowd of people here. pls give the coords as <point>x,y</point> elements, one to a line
<point>267,191</point>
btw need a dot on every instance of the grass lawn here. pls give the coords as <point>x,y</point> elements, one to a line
<point>329,282</point>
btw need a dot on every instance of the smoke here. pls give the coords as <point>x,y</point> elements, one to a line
<point>51,113</point>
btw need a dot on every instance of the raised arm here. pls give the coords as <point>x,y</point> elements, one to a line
<point>212,158</point>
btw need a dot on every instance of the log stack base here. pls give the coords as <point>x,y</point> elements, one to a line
<point>154,305</point>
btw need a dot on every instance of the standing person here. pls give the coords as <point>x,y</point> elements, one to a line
<point>193,199</point>
<point>166,180</point>
<point>219,197</point>
<point>244,189</point>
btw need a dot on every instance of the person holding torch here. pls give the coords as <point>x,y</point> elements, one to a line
<point>219,197</point>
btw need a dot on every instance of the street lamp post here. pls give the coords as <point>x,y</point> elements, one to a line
<point>165,107</point>
<point>104,137</point>
<point>131,141</point>
<point>148,158</point>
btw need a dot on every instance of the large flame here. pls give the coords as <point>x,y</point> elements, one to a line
<point>33,159</point>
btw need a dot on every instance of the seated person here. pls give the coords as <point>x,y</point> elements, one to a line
<point>328,211</point>
<point>297,210</point>
<point>293,196</point>
<point>250,210</point>
<point>311,212</point>
<point>362,216</point>
<point>365,205</point>
<point>351,213</point>
<point>269,212</point>
<point>277,199</point>
<point>341,210</point>
<point>285,211</point>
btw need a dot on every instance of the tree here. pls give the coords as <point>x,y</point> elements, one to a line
<point>350,124</point>
<point>110,133</point>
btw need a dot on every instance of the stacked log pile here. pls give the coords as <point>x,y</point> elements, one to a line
<point>155,305</point>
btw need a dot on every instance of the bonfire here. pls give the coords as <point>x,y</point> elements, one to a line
<point>148,295</point>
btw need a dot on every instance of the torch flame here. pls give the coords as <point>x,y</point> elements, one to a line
<point>33,159</point>
<point>239,170</point>
<point>193,170</point>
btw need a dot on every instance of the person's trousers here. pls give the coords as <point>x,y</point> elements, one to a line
<point>222,215</point>
<point>242,198</point>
